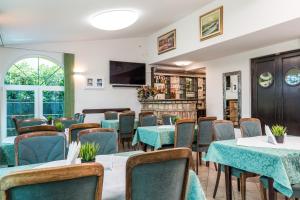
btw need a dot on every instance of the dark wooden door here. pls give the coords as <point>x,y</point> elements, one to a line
<point>290,94</point>
<point>277,102</point>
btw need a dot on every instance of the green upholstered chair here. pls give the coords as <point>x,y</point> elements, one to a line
<point>71,182</point>
<point>110,115</point>
<point>76,128</point>
<point>20,123</point>
<point>159,175</point>
<point>224,130</point>
<point>79,117</point>
<point>264,185</point>
<point>204,137</point>
<point>39,128</point>
<point>167,119</point>
<point>250,127</point>
<point>141,114</point>
<point>126,127</point>
<point>184,133</point>
<point>67,122</point>
<point>148,120</point>
<point>39,147</point>
<point>106,138</point>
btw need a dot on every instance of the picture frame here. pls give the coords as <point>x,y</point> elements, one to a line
<point>211,24</point>
<point>94,83</point>
<point>166,42</point>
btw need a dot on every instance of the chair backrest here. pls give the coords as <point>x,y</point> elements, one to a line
<point>107,139</point>
<point>205,130</point>
<point>32,129</point>
<point>76,128</point>
<point>39,147</point>
<point>168,119</point>
<point>250,127</point>
<point>67,122</point>
<point>19,123</point>
<point>76,182</point>
<point>158,175</point>
<point>148,120</point>
<point>126,123</point>
<point>223,130</point>
<point>184,133</point>
<point>110,115</point>
<point>79,117</point>
<point>141,114</point>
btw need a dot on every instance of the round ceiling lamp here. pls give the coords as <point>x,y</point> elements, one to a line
<point>112,20</point>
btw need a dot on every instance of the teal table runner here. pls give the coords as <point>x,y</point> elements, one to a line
<point>282,165</point>
<point>115,124</point>
<point>155,136</point>
<point>7,152</point>
<point>194,190</point>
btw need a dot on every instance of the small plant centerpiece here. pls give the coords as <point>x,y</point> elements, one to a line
<point>88,152</point>
<point>279,132</point>
<point>59,126</point>
<point>175,119</point>
<point>49,120</point>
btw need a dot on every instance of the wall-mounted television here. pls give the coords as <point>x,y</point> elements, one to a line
<point>127,73</point>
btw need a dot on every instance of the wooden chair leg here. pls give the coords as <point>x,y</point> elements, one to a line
<point>263,192</point>
<point>197,163</point>
<point>238,184</point>
<point>200,158</point>
<point>217,181</point>
<point>216,168</point>
<point>207,164</point>
<point>243,186</point>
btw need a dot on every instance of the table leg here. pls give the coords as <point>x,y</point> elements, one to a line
<point>144,147</point>
<point>228,182</point>
<point>272,194</point>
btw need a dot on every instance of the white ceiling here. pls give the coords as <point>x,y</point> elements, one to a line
<point>35,21</point>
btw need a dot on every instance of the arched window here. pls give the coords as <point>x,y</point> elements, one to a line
<point>33,87</point>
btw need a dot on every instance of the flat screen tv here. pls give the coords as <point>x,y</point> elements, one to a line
<point>127,73</point>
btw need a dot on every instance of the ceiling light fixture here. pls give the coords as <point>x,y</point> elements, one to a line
<point>112,20</point>
<point>183,63</point>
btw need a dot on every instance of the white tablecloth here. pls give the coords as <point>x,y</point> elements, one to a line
<point>114,175</point>
<point>291,142</point>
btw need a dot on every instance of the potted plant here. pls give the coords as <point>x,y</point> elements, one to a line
<point>88,152</point>
<point>279,132</point>
<point>174,119</point>
<point>59,126</point>
<point>49,120</point>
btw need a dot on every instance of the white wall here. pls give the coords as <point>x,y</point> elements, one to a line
<point>240,18</point>
<point>237,62</point>
<point>91,58</point>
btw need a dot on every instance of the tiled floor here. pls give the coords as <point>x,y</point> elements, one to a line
<point>207,178</point>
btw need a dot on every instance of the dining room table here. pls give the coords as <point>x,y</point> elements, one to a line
<point>279,163</point>
<point>114,124</point>
<point>114,175</point>
<point>157,136</point>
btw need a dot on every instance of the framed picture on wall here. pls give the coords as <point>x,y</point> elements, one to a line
<point>166,42</point>
<point>211,24</point>
<point>94,83</point>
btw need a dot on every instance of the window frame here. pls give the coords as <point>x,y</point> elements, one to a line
<point>38,93</point>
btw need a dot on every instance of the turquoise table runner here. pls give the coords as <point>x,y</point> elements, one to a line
<point>156,136</point>
<point>115,124</point>
<point>194,190</point>
<point>282,165</point>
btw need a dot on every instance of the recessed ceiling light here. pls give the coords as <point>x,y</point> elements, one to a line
<point>111,20</point>
<point>183,63</point>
